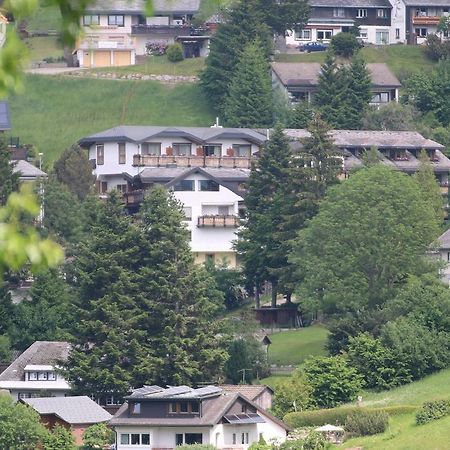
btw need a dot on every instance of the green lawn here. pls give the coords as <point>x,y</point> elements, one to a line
<point>436,386</point>
<point>159,65</point>
<point>402,59</point>
<point>45,18</point>
<point>54,112</point>
<point>293,347</point>
<point>43,47</point>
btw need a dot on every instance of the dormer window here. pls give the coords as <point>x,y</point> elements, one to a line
<point>42,376</point>
<point>32,376</point>
<point>136,408</point>
<point>184,408</point>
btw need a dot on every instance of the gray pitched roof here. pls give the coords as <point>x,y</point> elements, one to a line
<point>444,240</point>
<point>200,135</point>
<point>40,352</point>
<point>307,74</point>
<point>5,117</point>
<point>351,3</point>
<point>138,6</point>
<point>251,391</point>
<point>427,3</point>
<point>27,170</point>
<point>168,174</point>
<point>73,410</point>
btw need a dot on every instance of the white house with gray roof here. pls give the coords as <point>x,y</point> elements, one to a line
<point>158,418</point>
<point>117,31</point>
<point>206,167</point>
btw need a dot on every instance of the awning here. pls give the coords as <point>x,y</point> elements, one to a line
<point>243,418</point>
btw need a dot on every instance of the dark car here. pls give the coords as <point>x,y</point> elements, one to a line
<point>313,47</point>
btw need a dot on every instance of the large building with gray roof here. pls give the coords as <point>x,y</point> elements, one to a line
<point>156,417</point>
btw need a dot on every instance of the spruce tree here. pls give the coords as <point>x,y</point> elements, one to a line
<point>249,101</point>
<point>301,115</point>
<point>9,181</point>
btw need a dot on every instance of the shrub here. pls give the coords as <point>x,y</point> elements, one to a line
<point>314,441</point>
<point>196,447</point>
<point>338,416</point>
<point>432,411</point>
<point>97,436</point>
<point>435,49</point>
<point>156,48</point>
<point>175,53</point>
<point>332,380</point>
<point>366,423</point>
<point>59,438</point>
<point>344,44</point>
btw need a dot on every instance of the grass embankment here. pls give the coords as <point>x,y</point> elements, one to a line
<point>403,433</point>
<point>54,112</point>
<point>294,346</point>
<point>45,18</point>
<point>401,59</point>
<point>41,47</point>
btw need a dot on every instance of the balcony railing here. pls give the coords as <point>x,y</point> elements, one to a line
<point>133,198</point>
<point>425,20</point>
<point>234,162</point>
<point>157,28</point>
<point>218,221</point>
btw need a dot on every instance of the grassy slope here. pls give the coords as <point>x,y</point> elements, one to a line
<point>54,112</point>
<point>45,18</point>
<point>293,347</point>
<point>402,59</point>
<point>43,47</point>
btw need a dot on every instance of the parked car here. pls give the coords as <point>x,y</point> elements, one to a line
<point>313,47</point>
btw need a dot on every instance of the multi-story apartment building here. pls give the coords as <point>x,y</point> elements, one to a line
<point>117,31</point>
<point>205,167</point>
<point>330,17</point>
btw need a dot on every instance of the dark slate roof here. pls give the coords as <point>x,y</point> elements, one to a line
<point>213,410</point>
<point>5,117</point>
<point>444,240</point>
<point>307,74</point>
<point>351,3</point>
<point>200,135</point>
<point>174,392</point>
<point>138,6</point>
<point>73,410</point>
<point>40,352</point>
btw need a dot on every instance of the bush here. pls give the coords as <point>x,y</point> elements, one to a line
<point>432,411</point>
<point>59,438</point>
<point>338,416</point>
<point>344,44</point>
<point>435,49</point>
<point>156,48</point>
<point>196,447</point>
<point>366,423</point>
<point>314,441</point>
<point>332,380</point>
<point>97,436</point>
<point>175,53</point>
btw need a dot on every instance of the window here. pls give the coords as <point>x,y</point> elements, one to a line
<point>338,12</point>
<point>123,188</point>
<point>52,376</point>
<point>363,33</point>
<point>362,13</point>
<point>136,408</point>
<point>111,400</point>
<point>151,148</point>
<point>187,211</point>
<point>213,150</point>
<point>244,438</point>
<point>103,187</point>
<point>242,150</point>
<point>135,439</point>
<point>382,13</point>
<point>302,35</point>
<point>195,407</point>
<point>100,154</point>
<point>421,32</point>
<point>184,185</point>
<point>184,407</point>
<point>125,439</point>
<point>397,33</point>
<point>117,21</point>
<point>208,185</point>
<point>91,20</point>
<point>122,153</point>
<point>25,395</point>
<point>448,256</point>
<point>381,37</point>
<point>324,35</point>
<point>234,438</point>
<point>145,439</point>
<point>42,376</point>
<point>193,438</point>
<point>173,408</point>
<point>181,149</point>
<point>32,376</point>
<point>224,210</point>
<point>178,439</point>
<point>380,97</point>
<point>244,408</point>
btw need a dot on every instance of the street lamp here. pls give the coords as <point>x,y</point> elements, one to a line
<point>40,160</point>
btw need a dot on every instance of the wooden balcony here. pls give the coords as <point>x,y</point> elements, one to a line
<point>425,20</point>
<point>218,221</point>
<point>232,162</point>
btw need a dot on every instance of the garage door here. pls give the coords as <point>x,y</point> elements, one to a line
<point>122,58</point>
<point>102,59</point>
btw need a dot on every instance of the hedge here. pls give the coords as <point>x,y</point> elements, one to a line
<point>338,416</point>
<point>433,411</point>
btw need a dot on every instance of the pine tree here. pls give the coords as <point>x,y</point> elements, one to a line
<point>181,296</point>
<point>249,101</point>
<point>9,181</point>
<point>301,115</point>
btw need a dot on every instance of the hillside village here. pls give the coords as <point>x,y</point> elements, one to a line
<point>224,224</point>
